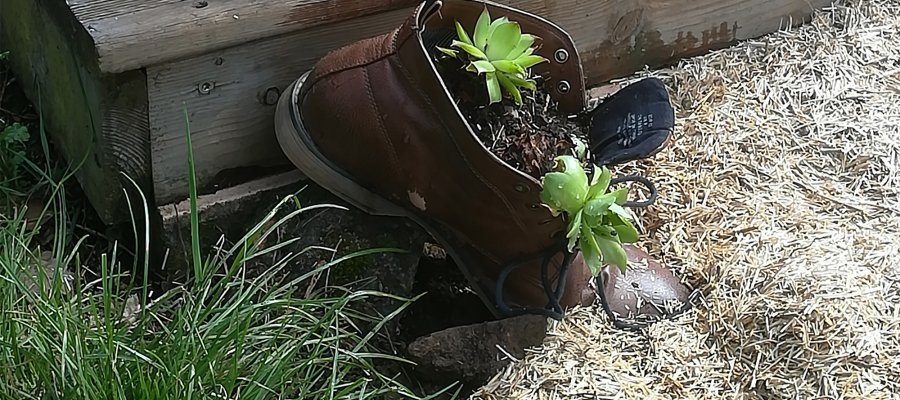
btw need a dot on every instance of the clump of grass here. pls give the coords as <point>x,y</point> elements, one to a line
<point>12,152</point>
<point>225,334</point>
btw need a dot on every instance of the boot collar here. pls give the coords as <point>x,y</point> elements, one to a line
<point>563,73</point>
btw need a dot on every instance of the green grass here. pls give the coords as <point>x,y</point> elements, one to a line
<point>230,332</point>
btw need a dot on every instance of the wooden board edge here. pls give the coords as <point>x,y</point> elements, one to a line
<point>90,117</point>
<point>177,30</point>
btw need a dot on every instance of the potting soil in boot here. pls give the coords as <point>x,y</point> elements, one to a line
<point>633,123</point>
<point>529,136</point>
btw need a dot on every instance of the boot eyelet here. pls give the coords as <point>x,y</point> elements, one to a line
<point>561,56</point>
<point>522,188</point>
<point>535,206</point>
<point>563,87</point>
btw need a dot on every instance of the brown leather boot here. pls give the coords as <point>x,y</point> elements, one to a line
<point>374,123</point>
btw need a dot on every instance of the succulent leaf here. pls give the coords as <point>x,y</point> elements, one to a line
<point>574,230</point>
<point>503,39</point>
<point>493,87</point>
<point>506,84</point>
<point>496,23</point>
<point>529,60</point>
<point>621,195</point>
<point>508,67</point>
<point>598,206</point>
<point>566,188</point>
<point>612,252</point>
<point>590,249</point>
<point>463,36</point>
<point>618,209</point>
<point>627,232</point>
<point>481,29</point>
<point>600,182</point>
<point>528,84</point>
<point>572,167</point>
<point>451,53</point>
<point>482,66</point>
<point>472,50</point>
<point>525,42</point>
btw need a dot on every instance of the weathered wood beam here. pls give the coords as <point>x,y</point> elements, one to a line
<point>134,34</point>
<point>618,37</point>
<point>230,95</point>
<point>98,121</point>
<point>233,119</point>
<point>173,30</point>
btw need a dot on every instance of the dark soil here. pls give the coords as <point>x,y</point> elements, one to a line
<point>447,302</point>
<point>527,137</point>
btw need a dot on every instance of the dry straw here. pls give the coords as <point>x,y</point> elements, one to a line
<point>779,202</point>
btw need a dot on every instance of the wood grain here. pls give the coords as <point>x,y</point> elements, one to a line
<point>618,37</point>
<point>98,122</point>
<point>87,11</point>
<point>174,30</point>
<point>132,34</point>
<point>125,130</point>
<point>232,126</point>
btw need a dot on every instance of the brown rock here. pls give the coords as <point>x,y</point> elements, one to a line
<point>470,353</point>
<point>645,293</point>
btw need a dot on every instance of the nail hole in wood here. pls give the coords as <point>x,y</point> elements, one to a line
<point>200,4</point>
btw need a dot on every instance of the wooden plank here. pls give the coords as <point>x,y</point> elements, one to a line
<point>88,11</point>
<point>232,128</point>
<point>136,34</point>
<point>232,124</point>
<point>174,30</point>
<point>618,37</point>
<point>98,122</point>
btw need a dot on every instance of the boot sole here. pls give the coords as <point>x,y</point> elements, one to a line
<point>298,146</point>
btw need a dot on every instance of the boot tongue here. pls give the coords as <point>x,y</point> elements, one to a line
<point>631,124</point>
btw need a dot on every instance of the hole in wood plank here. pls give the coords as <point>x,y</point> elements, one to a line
<point>200,4</point>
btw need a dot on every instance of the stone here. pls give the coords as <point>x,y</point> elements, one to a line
<point>319,235</point>
<point>470,353</point>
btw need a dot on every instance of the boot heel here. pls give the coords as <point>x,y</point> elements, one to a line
<point>297,145</point>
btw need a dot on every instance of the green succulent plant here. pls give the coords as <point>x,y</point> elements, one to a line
<point>598,222</point>
<point>501,52</point>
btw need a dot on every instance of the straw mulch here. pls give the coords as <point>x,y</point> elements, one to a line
<point>779,202</point>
